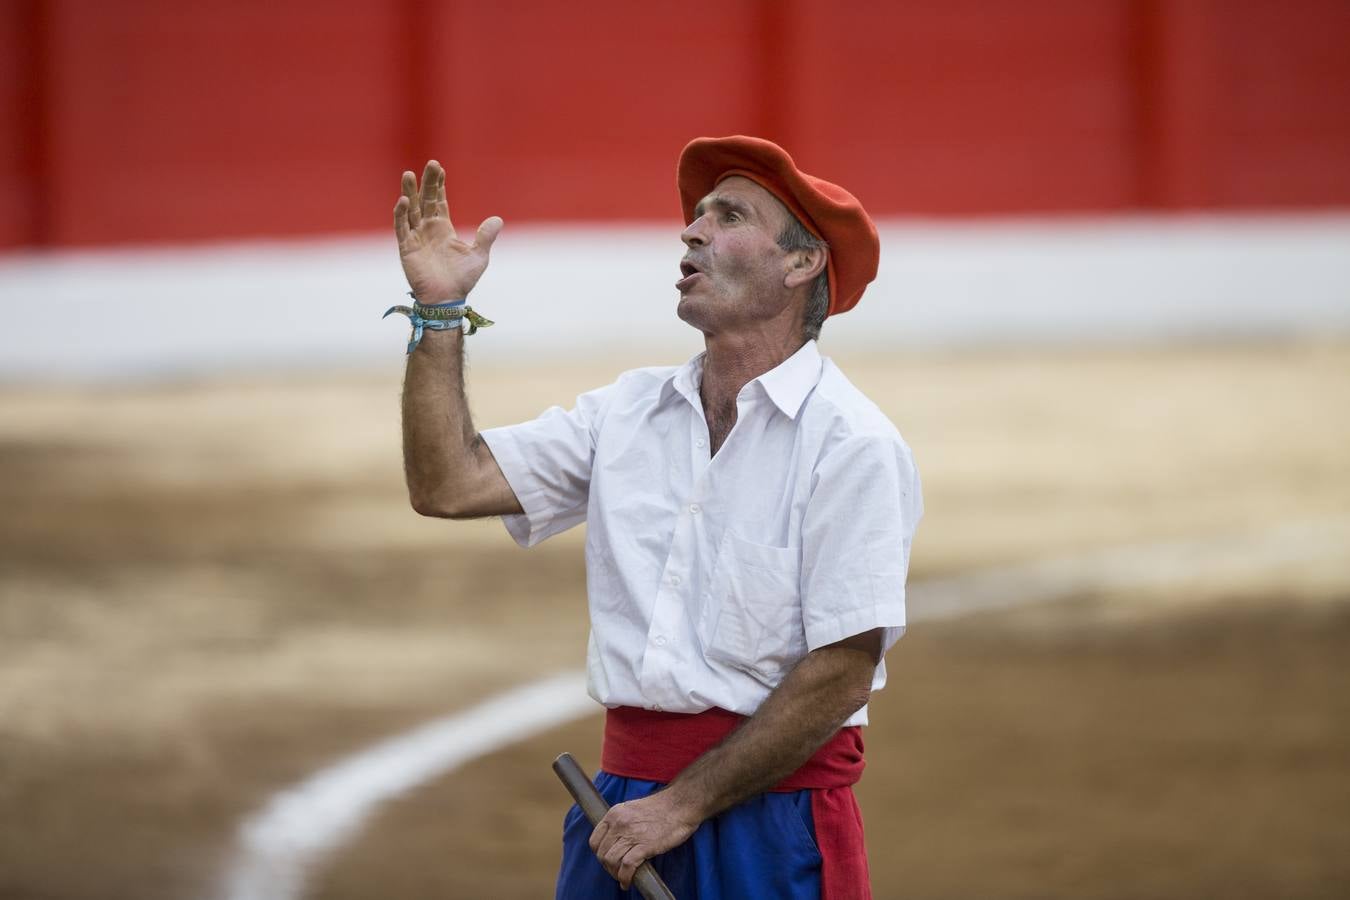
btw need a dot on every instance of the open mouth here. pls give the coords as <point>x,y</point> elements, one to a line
<point>690,271</point>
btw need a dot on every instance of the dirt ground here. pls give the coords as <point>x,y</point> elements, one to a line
<point>210,589</point>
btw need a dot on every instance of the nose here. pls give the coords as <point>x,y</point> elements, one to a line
<point>693,235</point>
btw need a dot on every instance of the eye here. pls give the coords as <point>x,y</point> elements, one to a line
<point>732,216</point>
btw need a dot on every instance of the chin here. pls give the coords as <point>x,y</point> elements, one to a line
<point>686,307</point>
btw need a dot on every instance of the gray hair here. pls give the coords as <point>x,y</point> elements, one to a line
<point>795,237</point>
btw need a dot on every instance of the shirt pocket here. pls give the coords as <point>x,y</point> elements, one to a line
<point>752,612</point>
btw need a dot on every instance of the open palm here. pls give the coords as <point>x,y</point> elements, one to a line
<point>439,265</point>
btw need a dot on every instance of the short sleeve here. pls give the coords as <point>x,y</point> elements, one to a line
<point>547,462</point>
<point>864,506</point>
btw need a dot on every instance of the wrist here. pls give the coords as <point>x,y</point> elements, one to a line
<point>437,335</point>
<point>438,296</point>
<point>689,805</point>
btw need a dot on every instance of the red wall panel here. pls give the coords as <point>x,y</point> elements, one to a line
<point>1248,104</point>
<point>184,121</point>
<point>20,123</point>
<point>965,106</point>
<point>562,115</point>
<point>1282,109</point>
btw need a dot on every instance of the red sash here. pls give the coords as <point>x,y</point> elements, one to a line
<point>657,746</point>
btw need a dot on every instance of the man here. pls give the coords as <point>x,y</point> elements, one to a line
<point>749,518</point>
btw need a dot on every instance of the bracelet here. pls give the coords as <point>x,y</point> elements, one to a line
<point>438,317</point>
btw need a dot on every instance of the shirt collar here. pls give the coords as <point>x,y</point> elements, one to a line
<point>786,384</point>
<point>685,380</point>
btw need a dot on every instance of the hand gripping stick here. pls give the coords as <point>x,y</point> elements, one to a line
<point>645,879</point>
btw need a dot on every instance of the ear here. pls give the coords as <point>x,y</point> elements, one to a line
<point>804,266</point>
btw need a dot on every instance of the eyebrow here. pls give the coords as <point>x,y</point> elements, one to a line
<point>723,202</point>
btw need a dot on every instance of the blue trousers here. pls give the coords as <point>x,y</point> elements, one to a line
<point>764,847</point>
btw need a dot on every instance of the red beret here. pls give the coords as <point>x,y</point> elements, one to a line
<point>827,210</point>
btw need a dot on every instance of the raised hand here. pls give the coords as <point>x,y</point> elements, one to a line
<point>439,265</point>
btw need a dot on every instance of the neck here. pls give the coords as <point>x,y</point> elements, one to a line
<point>736,355</point>
<point>733,360</point>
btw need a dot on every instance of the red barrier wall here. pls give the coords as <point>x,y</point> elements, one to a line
<point>151,120</point>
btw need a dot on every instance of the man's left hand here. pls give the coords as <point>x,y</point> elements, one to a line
<point>638,830</point>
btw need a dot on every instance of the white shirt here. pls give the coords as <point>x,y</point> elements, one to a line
<point>709,578</point>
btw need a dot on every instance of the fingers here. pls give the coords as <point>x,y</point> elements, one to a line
<point>621,858</point>
<point>487,233</point>
<point>442,207</point>
<point>618,853</point>
<point>401,227</point>
<point>432,196</point>
<point>429,202</point>
<point>433,189</point>
<point>598,835</point>
<point>608,848</point>
<point>628,866</point>
<point>409,186</point>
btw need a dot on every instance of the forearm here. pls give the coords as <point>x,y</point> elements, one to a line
<point>801,714</point>
<point>449,469</point>
<point>437,427</point>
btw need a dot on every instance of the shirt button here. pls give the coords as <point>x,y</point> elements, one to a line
<point>701,443</point>
<point>660,640</point>
<point>656,707</point>
<point>693,508</point>
<point>674,579</point>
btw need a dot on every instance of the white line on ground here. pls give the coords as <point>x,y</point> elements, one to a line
<point>279,845</point>
<point>300,825</point>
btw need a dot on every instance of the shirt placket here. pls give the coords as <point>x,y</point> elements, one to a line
<point>670,613</point>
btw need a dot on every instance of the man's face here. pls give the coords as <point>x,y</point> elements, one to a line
<point>733,268</point>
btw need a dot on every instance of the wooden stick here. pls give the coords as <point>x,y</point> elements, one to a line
<point>645,879</point>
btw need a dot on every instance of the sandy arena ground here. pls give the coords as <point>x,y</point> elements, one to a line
<point>210,589</point>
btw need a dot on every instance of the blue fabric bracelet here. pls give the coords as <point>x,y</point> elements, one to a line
<point>420,324</point>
